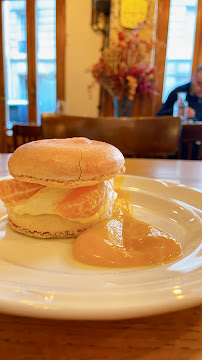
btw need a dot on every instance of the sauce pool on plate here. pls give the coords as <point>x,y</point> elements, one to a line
<point>124,241</point>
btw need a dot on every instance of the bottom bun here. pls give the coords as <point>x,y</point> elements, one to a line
<point>49,226</point>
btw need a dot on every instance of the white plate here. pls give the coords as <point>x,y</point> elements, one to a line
<point>40,278</point>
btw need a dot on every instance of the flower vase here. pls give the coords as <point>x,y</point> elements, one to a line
<point>122,107</point>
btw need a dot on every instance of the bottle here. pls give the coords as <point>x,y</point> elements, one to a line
<point>180,106</point>
<point>59,107</point>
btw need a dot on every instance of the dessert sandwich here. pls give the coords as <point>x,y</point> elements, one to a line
<point>60,187</point>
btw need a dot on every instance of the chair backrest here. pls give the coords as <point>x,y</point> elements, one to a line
<point>23,133</point>
<point>136,137</point>
<point>150,136</point>
<point>191,141</point>
<point>62,126</point>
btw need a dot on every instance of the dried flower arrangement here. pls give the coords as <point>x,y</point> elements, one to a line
<point>124,68</point>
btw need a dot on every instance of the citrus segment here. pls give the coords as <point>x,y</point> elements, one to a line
<point>82,202</point>
<point>12,191</point>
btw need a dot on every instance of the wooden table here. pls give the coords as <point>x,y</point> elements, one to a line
<point>175,336</point>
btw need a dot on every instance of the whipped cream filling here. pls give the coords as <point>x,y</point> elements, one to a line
<point>45,200</point>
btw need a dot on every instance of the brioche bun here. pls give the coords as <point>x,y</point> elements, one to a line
<point>68,163</point>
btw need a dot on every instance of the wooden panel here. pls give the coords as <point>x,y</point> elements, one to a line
<point>160,57</point>
<point>60,49</point>
<point>142,106</point>
<point>197,59</point>
<point>31,60</point>
<point>105,103</point>
<point>2,93</point>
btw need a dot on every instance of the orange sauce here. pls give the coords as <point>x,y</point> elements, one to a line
<point>124,241</point>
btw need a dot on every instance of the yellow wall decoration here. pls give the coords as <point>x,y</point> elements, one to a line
<point>147,32</point>
<point>132,12</point>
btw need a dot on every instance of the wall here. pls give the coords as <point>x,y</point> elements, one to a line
<point>82,51</point>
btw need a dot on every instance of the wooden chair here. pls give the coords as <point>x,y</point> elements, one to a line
<point>62,126</point>
<point>149,136</point>
<point>191,141</point>
<point>135,137</point>
<point>23,133</point>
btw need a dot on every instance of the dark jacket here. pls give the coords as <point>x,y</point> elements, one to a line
<point>193,101</point>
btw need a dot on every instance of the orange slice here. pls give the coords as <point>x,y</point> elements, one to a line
<point>12,191</point>
<point>82,202</point>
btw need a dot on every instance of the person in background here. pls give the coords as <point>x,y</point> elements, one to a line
<point>193,97</point>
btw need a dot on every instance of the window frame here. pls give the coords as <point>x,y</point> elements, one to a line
<point>162,33</point>
<point>197,56</point>
<point>31,63</point>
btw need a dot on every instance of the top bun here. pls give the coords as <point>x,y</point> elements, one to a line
<point>71,162</point>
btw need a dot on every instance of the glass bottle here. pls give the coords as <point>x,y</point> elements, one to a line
<point>60,104</point>
<point>180,106</point>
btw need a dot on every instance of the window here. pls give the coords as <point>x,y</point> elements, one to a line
<point>31,83</point>
<point>180,44</point>
<point>15,50</point>
<point>46,56</point>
